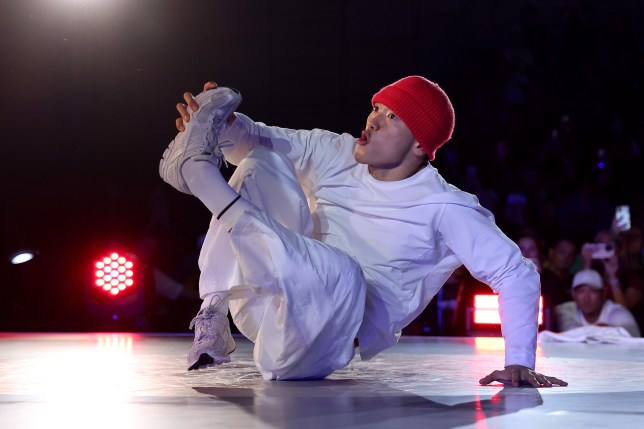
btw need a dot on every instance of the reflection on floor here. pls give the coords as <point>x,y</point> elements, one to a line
<point>140,381</point>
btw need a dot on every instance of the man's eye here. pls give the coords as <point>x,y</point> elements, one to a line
<point>391,116</point>
<point>375,109</point>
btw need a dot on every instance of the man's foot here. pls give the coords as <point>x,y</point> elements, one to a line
<point>213,341</point>
<point>200,140</point>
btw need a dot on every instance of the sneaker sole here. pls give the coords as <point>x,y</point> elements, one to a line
<point>207,361</point>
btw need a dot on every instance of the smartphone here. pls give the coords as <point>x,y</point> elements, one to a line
<point>623,218</point>
<point>601,250</point>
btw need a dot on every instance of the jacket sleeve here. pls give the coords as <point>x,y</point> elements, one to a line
<point>314,153</point>
<point>491,257</point>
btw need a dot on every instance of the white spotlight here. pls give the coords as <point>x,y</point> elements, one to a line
<point>22,257</point>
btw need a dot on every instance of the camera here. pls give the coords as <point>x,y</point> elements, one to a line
<point>600,250</point>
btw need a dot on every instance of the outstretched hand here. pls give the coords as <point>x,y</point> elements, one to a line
<point>190,105</point>
<point>517,375</point>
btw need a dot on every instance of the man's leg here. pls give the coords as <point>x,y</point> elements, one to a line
<point>308,304</point>
<point>191,165</point>
<point>299,300</point>
<point>268,179</point>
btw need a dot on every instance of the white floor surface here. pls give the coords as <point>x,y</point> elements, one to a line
<point>140,381</point>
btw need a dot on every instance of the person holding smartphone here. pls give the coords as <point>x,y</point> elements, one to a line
<point>621,269</point>
<point>590,306</point>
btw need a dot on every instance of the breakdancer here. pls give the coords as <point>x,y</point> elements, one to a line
<point>320,239</point>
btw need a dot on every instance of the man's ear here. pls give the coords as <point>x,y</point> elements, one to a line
<point>418,150</point>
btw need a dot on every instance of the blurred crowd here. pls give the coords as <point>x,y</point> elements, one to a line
<point>550,137</point>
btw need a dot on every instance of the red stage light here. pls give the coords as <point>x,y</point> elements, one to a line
<point>486,310</point>
<point>114,273</point>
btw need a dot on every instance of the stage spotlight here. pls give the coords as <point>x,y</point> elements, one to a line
<point>114,273</point>
<point>486,310</point>
<point>114,290</point>
<point>22,257</point>
<point>85,3</point>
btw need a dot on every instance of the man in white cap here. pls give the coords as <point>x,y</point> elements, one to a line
<point>320,238</point>
<point>590,306</point>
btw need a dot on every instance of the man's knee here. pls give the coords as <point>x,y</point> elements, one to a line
<point>263,162</point>
<point>262,156</point>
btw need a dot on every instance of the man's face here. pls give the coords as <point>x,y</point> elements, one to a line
<point>562,255</point>
<point>588,299</point>
<point>528,247</point>
<point>387,143</point>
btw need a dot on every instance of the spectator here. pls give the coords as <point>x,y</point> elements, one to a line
<point>631,267</point>
<point>622,270</point>
<point>556,276</point>
<point>591,307</point>
<point>530,247</point>
<point>631,272</point>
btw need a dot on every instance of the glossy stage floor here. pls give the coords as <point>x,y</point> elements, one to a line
<point>140,381</point>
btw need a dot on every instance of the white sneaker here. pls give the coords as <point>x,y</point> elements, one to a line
<point>200,140</point>
<point>213,341</point>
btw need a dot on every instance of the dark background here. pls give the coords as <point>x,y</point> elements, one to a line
<point>89,88</point>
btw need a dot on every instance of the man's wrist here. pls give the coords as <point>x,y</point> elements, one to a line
<point>516,365</point>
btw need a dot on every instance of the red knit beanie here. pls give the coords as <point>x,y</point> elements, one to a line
<point>424,107</point>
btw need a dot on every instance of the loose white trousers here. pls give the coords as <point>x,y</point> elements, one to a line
<point>299,300</point>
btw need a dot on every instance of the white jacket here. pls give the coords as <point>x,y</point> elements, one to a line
<point>408,236</point>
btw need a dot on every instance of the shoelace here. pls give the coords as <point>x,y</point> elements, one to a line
<point>205,316</point>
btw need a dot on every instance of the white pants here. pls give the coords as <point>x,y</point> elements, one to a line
<point>299,300</point>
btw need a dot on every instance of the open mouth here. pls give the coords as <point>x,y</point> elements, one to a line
<point>363,139</point>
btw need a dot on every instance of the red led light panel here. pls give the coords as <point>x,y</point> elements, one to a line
<point>113,273</point>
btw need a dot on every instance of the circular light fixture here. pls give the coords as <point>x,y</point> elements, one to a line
<point>113,273</point>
